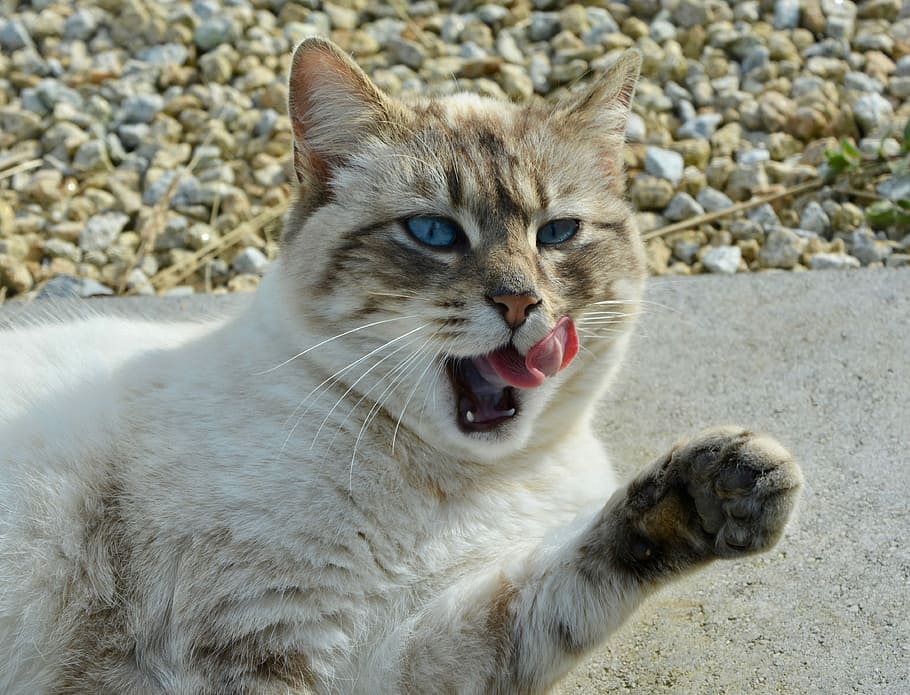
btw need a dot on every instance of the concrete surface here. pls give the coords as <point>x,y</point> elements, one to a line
<point>822,360</point>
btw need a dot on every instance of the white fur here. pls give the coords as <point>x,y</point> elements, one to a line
<point>199,426</point>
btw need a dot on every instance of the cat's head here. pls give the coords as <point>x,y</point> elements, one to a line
<point>461,248</point>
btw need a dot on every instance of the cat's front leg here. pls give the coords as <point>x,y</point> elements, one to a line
<point>723,494</point>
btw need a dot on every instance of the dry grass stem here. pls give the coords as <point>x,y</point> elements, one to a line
<point>707,217</point>
<point>173,275</point>
<point>25,166</point>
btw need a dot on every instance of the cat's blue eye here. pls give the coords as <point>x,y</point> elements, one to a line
<point>439,232</point>
<point>557,231</point>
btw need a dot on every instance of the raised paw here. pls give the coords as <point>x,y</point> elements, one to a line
<point>744,487</point>
<point>723,493</point>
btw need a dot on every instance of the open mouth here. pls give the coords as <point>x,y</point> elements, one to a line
<point>488,388</point>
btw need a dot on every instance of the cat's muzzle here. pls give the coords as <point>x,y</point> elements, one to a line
<point>487,388</point>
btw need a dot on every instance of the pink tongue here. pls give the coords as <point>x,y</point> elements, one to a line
<point>545,359</point>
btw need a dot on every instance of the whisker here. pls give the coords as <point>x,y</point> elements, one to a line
<point>432,389</point>
<point>335,376</point>
<point>643,302</point>
<point>398,369</point>
<point>335,337</point>
<point>343,370</point>
<point>411,395</point>
<point>373,412</point>
<point>393,294</point>
<point>351,388</point>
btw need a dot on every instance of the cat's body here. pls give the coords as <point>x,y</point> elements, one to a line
<point>330,492</point>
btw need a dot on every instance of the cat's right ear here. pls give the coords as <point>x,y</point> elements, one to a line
<point>334,108</point>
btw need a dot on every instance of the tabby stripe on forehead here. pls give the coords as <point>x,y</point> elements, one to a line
<point>496,167</point>
<point>453,182</point>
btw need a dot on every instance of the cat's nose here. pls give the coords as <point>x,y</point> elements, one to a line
<point>515,307</point>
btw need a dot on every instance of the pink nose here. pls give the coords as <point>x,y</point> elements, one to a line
<point>515,307</point>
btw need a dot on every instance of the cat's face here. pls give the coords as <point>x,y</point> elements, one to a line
<point>469,246</point>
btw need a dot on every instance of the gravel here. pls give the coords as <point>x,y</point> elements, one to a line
<point>132,135</point>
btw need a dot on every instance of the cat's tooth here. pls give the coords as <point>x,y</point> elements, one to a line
<point>510,412</point>
<point>469,416</point>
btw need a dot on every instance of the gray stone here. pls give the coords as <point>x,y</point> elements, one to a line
<point>600,19</point>
<point>867,248</point>
<point>539,70</point>
<point>713,200</point>
<point>872,112</point>
<point>15,275</point>
<point>690,13</point>
<point>650,192</point>
<point>101,230</point>
<point>702,126</point>
<point>747,157</point>
<point>14,36</point>
<point>898,260</point>
<point>207,8</point>
<point>544,26</point>
<point>515,82</point>
<point>138,282</point>
<point>814,218</point>
<point>52,92</point>
<point>662,30</point>
<point>899,86</point>
<point>164,54</point>
<point>861,82</point>
<point>758,57</point>
<point>664,164</point>
<point>386,29</point>
<point>452,26</point>
<point>895,187</point>
<point>686,111</point>
<point>786,14</point>
<point>69,286</point>
<point>652,98</point>
<point>781,249</point>
<point>682,207</point>
<point>686,250</point>
<point>133,135</point>
<point>406,52</point>
<point>635,128</point>
<point>832,261</point>
<point>873,147</point>
<point>722,259</point>
<point>508,48</point>
<point>270,175</point>
<point>58,248</point>
<point>31,101</point>
<point>471,51</point>
<point>745,180</point>
<point>341,17</point>
<point>215,30</point>
<point>764,215</point>
<point>156,190</point>
<point>491,13</point>
<point>91,156</point>
<point>677,93</point>
<point>251,260</point>
<point>141,108</point>
<point>81,25</point>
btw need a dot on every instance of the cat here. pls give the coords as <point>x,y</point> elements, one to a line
<point>379,476</point>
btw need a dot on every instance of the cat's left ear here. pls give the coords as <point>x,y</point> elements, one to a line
<point>334,109</point>
<point>604,108</point>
